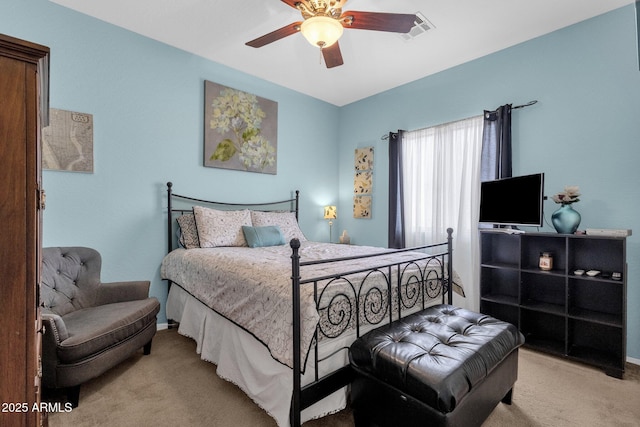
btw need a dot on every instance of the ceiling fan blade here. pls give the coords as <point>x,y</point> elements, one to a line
<point>291,3</point>
<point>377,21</point>
<point>332,55</point>
<point>275,35</point>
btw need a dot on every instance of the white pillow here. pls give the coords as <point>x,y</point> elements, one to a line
<point>285,220</point>
<point>221,228</point>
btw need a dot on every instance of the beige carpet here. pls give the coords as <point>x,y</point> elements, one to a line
<point>173,387</point>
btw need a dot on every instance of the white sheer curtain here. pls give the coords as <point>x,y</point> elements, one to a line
<point>441,178</point>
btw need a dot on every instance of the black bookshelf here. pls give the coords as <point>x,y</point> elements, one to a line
<point>574,316</point>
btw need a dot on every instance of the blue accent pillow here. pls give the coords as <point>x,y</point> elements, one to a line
<point>258,237</point>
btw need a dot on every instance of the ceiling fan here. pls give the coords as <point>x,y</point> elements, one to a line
<point>324,22</point>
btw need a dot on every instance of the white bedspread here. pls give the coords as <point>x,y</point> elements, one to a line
<point>252,286</point>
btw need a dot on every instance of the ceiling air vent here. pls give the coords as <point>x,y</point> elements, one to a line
<point>421,26</point>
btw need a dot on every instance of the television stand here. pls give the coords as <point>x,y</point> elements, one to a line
<point>559,311</point>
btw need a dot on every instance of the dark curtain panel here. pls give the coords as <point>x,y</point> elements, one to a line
<point>496,144</point>
<point>396,194</point>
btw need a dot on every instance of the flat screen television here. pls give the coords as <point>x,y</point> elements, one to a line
<point>513,201</point>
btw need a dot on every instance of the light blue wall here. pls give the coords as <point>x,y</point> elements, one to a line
<point>584,130</point>
<point>147,102</point>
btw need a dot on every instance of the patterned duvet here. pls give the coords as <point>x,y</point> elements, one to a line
<point>252,286</point>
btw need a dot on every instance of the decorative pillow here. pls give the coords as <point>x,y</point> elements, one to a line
<point>188,231</point>
<point>285,220</point>
<point>221,228</point>
<point>259,237</point>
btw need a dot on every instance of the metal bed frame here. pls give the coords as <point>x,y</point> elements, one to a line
<point>422,285</point>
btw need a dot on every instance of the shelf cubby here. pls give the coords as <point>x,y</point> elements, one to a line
<point>496,284</point>
<point>606,254</point>
<point>542,292</point>
<point>506,313</point>
<point>597,344</point>
<point>544,331</point>
<point>533,246</point>
<point>597,301</point>
<point>499,249</point>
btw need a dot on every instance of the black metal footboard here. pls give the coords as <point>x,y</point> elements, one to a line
<point>378,296</point>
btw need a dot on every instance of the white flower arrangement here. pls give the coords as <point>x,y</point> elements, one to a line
<point>570,195</point>
<point>239,114</point>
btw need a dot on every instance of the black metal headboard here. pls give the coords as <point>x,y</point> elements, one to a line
<point>293,203</point>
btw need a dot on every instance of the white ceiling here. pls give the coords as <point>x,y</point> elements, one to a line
<point>464,30</point>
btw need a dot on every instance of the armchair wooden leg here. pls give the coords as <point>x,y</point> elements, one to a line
<point>147,348</point>
<point>73,395</point>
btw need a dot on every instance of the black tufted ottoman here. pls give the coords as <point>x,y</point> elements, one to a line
<point>443,366</point>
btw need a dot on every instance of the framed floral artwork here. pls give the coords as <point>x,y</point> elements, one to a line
<point>240,130</point>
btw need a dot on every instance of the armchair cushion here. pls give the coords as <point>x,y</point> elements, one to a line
<point>92,330</point>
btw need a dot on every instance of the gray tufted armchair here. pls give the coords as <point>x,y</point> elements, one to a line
<point>89,326</point>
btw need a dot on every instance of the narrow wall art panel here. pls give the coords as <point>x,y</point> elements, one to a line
<point>240,130</point>
<point>363,182</point>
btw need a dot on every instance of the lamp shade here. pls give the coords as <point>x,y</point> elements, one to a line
<point>321,31</point>
<point>330,212</point>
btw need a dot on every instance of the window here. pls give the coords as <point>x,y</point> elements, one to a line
<point>441,187</point>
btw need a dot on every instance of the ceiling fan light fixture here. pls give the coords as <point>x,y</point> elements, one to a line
<point>321,31</point>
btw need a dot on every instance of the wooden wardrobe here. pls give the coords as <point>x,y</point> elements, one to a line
<point>24,106</point>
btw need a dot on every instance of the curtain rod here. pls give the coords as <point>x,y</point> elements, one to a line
<point>528,104</point>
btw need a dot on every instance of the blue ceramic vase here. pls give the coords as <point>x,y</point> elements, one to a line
<point>566,220</point>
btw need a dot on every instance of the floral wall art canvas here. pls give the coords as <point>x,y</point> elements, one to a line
<point>364,159</point>
<point>240,130</point>
<point>362,206</point>
<point>363,182</point>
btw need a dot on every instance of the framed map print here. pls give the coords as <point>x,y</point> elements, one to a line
<point>67,143</point>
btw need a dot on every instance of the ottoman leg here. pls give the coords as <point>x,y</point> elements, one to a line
<point>507,397</point>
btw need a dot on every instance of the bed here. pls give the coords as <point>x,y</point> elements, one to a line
<point>262,302</point>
